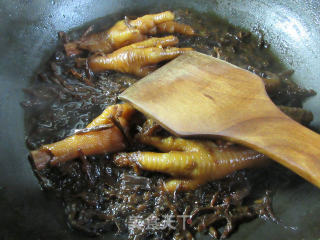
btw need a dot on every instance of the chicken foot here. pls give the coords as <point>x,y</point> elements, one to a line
<point>191,163</point>
<point>126,32</point>
<point>139,58</point>
<point>102,135</point>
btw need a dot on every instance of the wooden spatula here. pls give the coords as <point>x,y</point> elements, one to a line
<point>196,95</point>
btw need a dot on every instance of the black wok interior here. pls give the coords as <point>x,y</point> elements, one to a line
<point>28,35</point>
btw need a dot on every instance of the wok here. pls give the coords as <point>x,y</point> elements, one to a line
<point>28,37</point>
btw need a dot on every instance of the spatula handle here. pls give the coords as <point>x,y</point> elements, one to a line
<point>285,141</point>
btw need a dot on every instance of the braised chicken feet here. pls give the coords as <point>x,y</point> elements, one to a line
<point>138,58</point>
<point>191,163</point>
<point>104,134</point>
<point>126,32</point>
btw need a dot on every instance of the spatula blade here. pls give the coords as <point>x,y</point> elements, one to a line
<point>196,94</point>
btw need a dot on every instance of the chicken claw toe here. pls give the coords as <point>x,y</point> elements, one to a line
<point>167,41</point>
<point>173,185</point>
<point>174,163</point>
<point>146,22</point>
<point>172,27</point>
